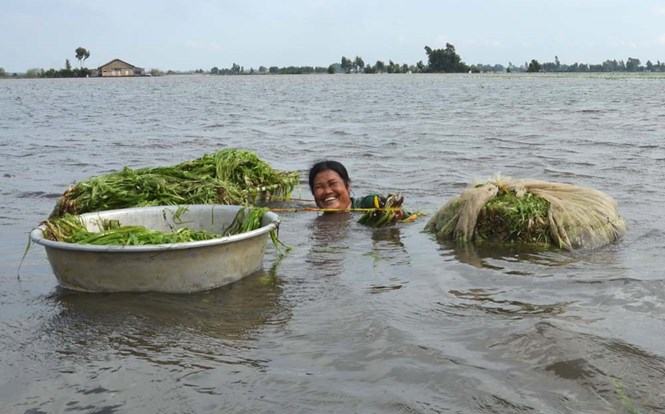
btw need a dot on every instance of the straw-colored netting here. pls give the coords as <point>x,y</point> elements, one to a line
<point>577,217</point>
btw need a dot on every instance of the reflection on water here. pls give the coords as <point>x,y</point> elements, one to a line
<point>503,257</point>
<point>391,235</point>
<point>230,312</point>
<point>329,229</point>
<point>388,250</point>
<point>89,349</point>
<point>328,242</point>
<point>149,324</point>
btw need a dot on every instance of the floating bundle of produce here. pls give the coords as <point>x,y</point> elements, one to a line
<point>70,228</point>
<point>531,212</point>
<point>229,176</point>
<point>385,211</point>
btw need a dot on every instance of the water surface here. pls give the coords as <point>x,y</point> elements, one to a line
<point>353,319</point>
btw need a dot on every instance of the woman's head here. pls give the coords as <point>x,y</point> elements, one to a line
<point>330,185</point>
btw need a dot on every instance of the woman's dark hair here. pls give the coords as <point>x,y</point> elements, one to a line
<point>328,165</point>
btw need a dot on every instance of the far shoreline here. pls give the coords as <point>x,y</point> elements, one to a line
<point>621,74</point>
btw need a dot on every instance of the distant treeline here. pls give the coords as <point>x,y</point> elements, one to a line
<point>58,73</point>
<point>630,65</point>
<point>274,70</point>
<point>445,60</point>
<point>66,72</point>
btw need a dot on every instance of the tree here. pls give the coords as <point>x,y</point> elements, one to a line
<point>445,60</point>
<point>34,73</point>
<point>2,73</point>
<point>359,63</point>
<point>632,64</point>
<point>534,66</point>
<point>610,66</point>
<point>347,64</point>
<point>214,70</point>
<point>331,69</point>
<point>379,66</point>
<point>82,54</point>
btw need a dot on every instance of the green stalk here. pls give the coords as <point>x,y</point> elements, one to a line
<point>229,176</point>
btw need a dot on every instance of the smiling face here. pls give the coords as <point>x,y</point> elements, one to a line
<point>330,191</point>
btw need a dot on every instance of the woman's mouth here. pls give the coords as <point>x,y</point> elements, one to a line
<point>329,200</point>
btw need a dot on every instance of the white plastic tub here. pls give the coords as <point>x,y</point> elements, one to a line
<point>176,268</point>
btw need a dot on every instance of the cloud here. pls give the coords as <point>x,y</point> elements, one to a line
<point>661,39</point>
<point>659,10</point>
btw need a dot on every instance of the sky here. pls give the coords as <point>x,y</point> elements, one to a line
<point>200,34</point>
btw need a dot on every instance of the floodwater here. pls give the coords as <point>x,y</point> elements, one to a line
<point>352,319</point>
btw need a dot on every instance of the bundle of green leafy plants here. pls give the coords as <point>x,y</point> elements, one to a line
<point>229,176</point>
<point>509,218</point>
<point>494,214</point>
<point>386,211</point>
<point>70,228</point>
<point>250,218</point>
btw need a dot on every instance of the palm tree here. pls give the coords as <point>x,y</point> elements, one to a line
<point>82,54</point>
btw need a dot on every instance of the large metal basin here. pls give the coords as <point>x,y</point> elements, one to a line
<point>175,268</point>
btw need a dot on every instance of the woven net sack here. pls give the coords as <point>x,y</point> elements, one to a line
<point>530,211</point>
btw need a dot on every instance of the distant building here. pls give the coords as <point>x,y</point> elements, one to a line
<point>118,67</point>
